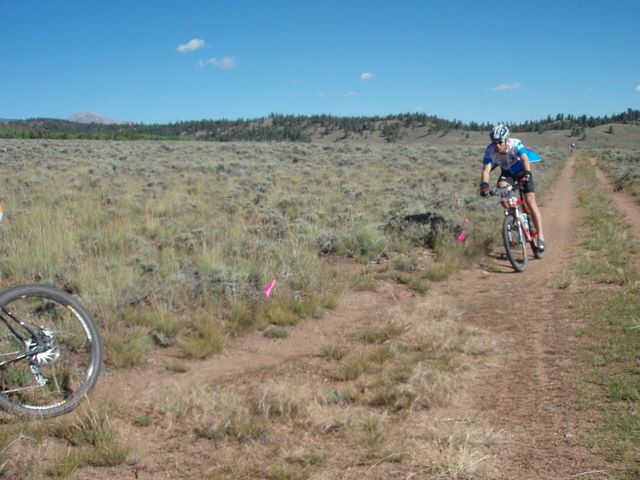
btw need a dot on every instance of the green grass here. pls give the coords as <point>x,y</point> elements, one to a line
<point>133,349</point>
<point>206,338</point>
<point>334,352</point>
<point>276,333</point>
<point>612,336</point>
<point>352,367</point>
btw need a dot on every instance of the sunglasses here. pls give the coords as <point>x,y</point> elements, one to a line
<point>498,142</point>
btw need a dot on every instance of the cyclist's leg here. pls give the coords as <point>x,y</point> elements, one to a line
<point>530,198</point>
<point>504,181</point>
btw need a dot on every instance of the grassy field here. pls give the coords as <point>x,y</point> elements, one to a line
<point>609,301</point>
<point>623,167</point>
<point>169,244</point>
<point>172,242</point>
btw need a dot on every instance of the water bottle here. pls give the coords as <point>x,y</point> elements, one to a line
<point>525,217</point>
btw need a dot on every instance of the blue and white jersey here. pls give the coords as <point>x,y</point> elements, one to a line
<point>510,161</point>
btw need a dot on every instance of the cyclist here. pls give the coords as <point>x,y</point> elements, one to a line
<point>510,155</point>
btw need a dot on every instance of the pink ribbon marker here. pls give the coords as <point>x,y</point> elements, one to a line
<point>461,238</point>
<point>269,288</point>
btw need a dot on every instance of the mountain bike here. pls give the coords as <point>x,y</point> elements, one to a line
<point>50,351</point>
<point>517,227</point>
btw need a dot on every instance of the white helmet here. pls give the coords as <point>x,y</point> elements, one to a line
<point>499,133</point>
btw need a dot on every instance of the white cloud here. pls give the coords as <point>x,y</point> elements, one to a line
<point>366,76</point>
<point>224,63</point>
<point>191,45</point>
<point>350,94</point>
<point>503,87</point>
<point>637,89</point>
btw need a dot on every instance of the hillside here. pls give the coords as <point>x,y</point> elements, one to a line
<point>402,128</point>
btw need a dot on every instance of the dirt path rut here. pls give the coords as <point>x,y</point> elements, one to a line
<point>527,390</point>
<point>625,202</point>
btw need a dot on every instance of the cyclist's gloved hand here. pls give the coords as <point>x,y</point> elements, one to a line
<point>485,191</point>
<point>526,177</point>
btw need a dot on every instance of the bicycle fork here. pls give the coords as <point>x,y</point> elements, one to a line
<point>521,222</point>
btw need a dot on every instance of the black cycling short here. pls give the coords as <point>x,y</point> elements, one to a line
<point>510,178</point>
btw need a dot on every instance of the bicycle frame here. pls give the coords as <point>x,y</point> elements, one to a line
<point>511,205</point>
<point>38,348</point>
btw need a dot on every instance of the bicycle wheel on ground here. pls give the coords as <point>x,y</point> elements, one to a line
<point>514,243</point>
<point>534,248</point>
<point>534,243</point>
<point>56,379</point>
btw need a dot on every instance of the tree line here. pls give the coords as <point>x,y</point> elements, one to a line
<point>290,128</point>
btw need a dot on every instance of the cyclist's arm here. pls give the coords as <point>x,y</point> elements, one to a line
<point>486,172</point>
<point>525,162</point>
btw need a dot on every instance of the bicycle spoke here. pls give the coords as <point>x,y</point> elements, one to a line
<point>515,243</point>
<point>60,364</point>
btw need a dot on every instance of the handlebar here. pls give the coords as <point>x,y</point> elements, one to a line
<point>502,192</point>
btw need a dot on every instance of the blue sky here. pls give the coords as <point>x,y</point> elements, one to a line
<point>160,61</point>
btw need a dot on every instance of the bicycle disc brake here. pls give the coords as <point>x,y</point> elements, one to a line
<point>49,354</point>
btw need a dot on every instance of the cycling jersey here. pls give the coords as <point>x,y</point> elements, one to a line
<point>510,161</point>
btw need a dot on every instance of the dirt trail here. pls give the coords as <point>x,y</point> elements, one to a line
<point>254,352</point>
<point>527,390</point>
<point>524,389</point>
<point>625,202</point>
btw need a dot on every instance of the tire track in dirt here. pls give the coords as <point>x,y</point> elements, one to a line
<point>625,202</point>
<point>253,351</point>
<point>526,391</point>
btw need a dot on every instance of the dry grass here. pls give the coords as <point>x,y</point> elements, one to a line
<point>170,244</point>
<point>59,448</point>
<point>364,426</point>
<point>453,448</point>
<point>150,234</point>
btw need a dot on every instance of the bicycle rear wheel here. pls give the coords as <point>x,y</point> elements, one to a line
<point>536,252</point>
<point>56,380</point>
<point>514,243</point>
<point>534,243</point>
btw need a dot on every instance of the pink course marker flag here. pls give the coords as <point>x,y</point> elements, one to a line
<point>269,288</point>
<point>461,238</point>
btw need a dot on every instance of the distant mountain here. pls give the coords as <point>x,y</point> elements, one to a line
<point>92,117</point>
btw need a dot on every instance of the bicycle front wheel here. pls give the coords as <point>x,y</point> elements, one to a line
<point>514,243</point>
<point>59,376</point>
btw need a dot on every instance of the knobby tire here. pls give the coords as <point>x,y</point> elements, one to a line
<point>514,243</point>
<point>69,369</point>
